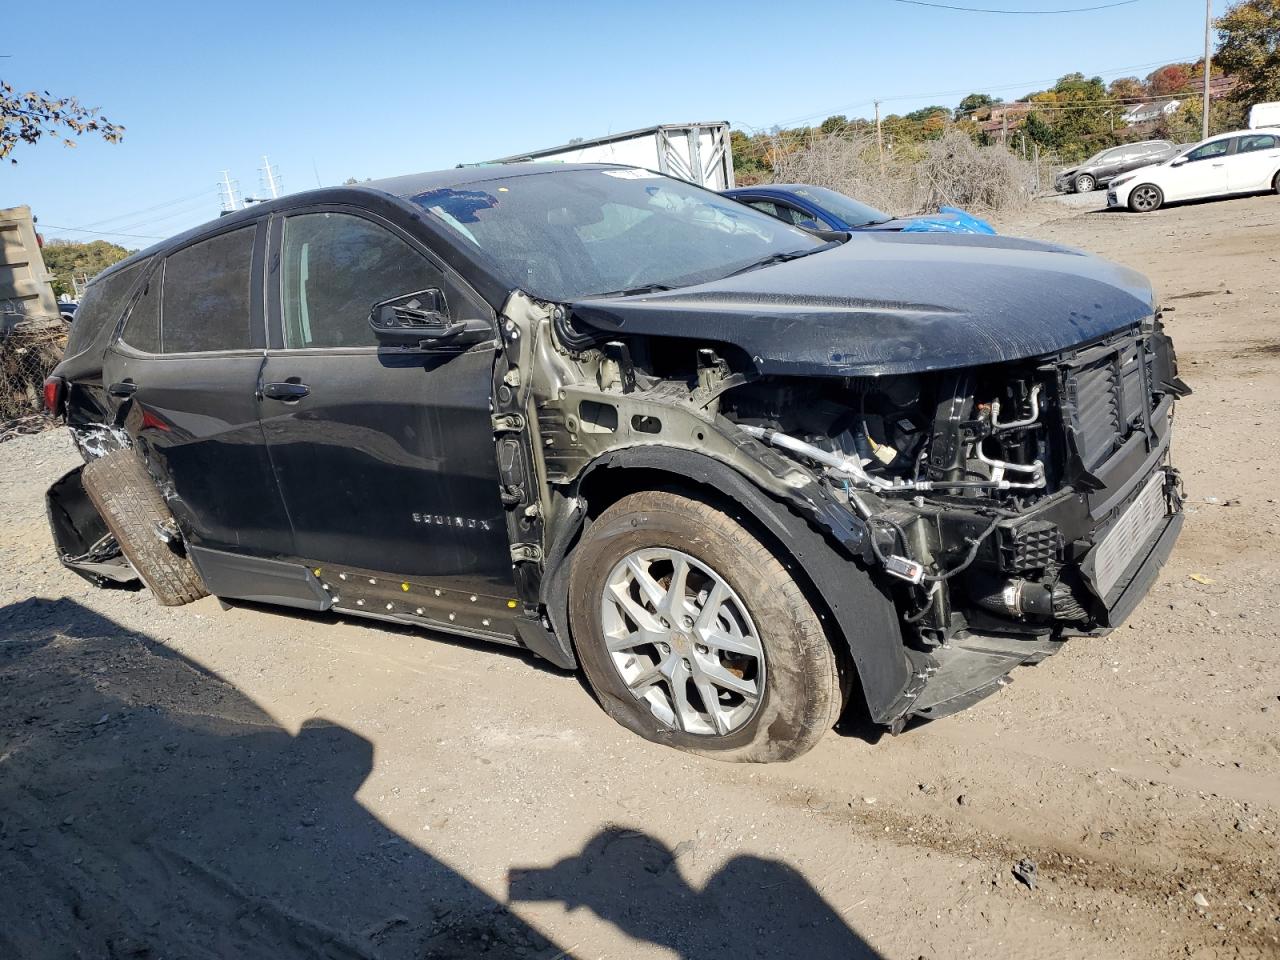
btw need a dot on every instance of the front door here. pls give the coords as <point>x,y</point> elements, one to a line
<point>182,378</point>
<point>386,462</point>
<point>1204,174</point>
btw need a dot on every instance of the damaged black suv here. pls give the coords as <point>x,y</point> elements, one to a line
<point>734,470</point>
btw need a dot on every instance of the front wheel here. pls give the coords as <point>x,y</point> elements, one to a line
<point>1085,183</point>
<point>1145,197</point>
<point>693,634</point>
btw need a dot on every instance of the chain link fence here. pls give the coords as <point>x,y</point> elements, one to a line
<point>29,349</point>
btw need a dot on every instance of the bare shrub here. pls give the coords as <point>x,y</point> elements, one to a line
<point>956,171</point>
<point>953,170</point>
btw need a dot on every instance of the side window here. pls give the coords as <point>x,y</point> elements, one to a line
<point>766,206</point>
<point>142,329</point>
<point>798,218</point>
<point>1215,149</point>
<point>205,305</point>
<point>101,306</point>
<point>336,267</point>
<point>1257,141</point>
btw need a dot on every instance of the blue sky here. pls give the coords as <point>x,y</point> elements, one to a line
<point>333,90</point>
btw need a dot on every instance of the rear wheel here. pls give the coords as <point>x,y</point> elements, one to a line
<point>1275,184</point>
<point>119,485</point>
<point>1085,183</point>
<point>1145,197</point>
<point>693,634</point>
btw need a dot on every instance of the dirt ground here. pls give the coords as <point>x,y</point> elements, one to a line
<point>208,782</point>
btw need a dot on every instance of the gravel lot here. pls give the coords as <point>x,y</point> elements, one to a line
<point>209,782</point>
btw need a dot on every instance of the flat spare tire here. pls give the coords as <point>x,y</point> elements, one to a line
<point>126,497</point>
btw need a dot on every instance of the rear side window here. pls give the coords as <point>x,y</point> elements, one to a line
<point>206,295</point>
<point>142,329</point>
<point>336,267</point>
<point>102,304</point>
<point>1257,141</point>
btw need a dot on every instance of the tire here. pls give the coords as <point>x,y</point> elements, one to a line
<point>1275,183</point>
<point>797,679</point>
<point>1146,197</point>
<point>119,485</point>
<point>1085,183</point>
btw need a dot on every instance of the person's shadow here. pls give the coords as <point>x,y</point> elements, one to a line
<point>751,907</point>
<point>149,809</point>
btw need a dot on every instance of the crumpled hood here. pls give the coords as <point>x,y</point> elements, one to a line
<point>890,303</point>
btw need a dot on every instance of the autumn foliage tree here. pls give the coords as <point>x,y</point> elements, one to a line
<point>26,117</point>
<point>1171,78</point>
<point>1249,49</point>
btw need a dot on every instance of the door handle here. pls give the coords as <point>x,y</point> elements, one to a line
<point>285,391</point>
<point>125,388</point>
<point>1219,164</point>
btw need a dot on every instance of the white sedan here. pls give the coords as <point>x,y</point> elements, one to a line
<point>1246,161</point>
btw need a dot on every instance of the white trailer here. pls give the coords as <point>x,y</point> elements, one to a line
<point>697,152</point>
<point>1264,115</point>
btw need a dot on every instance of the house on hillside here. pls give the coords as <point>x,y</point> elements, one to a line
<point>1149,112</point>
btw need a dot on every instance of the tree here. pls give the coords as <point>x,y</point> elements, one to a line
<point>68,258</point>
<point>835,124</point>
<point>1127,88</point>
<point>976,101</point>
<point>26,117</point>
<point>1171,78</point>
<point>1249,49</point>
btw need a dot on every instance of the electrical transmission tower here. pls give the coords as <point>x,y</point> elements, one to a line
<point>270,178</point>
<point>229,193</point>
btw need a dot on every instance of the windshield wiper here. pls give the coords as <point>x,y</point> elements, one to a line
<point>630,291</point>
<point>779,258</point>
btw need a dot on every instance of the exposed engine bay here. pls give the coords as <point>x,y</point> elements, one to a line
<point>979,485</point>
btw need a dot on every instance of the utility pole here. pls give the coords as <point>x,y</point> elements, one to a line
<point>879,137</point>
<point>1208,23</point>
<point>271,177</point>
<point>1004,127</point>
<point>229,193</point>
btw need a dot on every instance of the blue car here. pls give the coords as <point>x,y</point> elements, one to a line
<point>818,208</point>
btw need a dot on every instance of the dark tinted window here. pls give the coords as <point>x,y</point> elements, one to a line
<point>102,304</point>
<point>206,294</point>
<point>1257,141</point>
<point>336,267</point>
<point>142,329</point>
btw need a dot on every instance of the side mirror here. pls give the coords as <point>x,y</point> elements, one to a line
<point>1179,162</point>
<point>420,321</point>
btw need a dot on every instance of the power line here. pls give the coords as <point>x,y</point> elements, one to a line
<point>1034,13</point>
<point>102,233</point>
<point>158,206</point>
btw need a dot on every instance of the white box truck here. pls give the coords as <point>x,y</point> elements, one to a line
<point>1264,115</point>
<point>697,152</point>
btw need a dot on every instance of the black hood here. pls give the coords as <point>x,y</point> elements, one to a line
<point>888,303</point>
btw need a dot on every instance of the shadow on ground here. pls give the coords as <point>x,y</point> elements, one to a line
<point>150,809</point>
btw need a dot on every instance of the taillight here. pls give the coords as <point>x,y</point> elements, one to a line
<point>54,394</point>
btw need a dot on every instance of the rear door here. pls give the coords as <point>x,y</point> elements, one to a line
<point>1254,164</point>
<point>182,380</point>
<point>386,462</point>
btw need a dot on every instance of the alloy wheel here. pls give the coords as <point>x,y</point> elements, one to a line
<point>1145,198</point>
<point>682,641</point>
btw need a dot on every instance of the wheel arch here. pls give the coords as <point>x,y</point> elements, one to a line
<point>862,618</point>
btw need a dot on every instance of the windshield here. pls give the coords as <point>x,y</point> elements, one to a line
<point>852,212</point>
<point>569,234</point>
